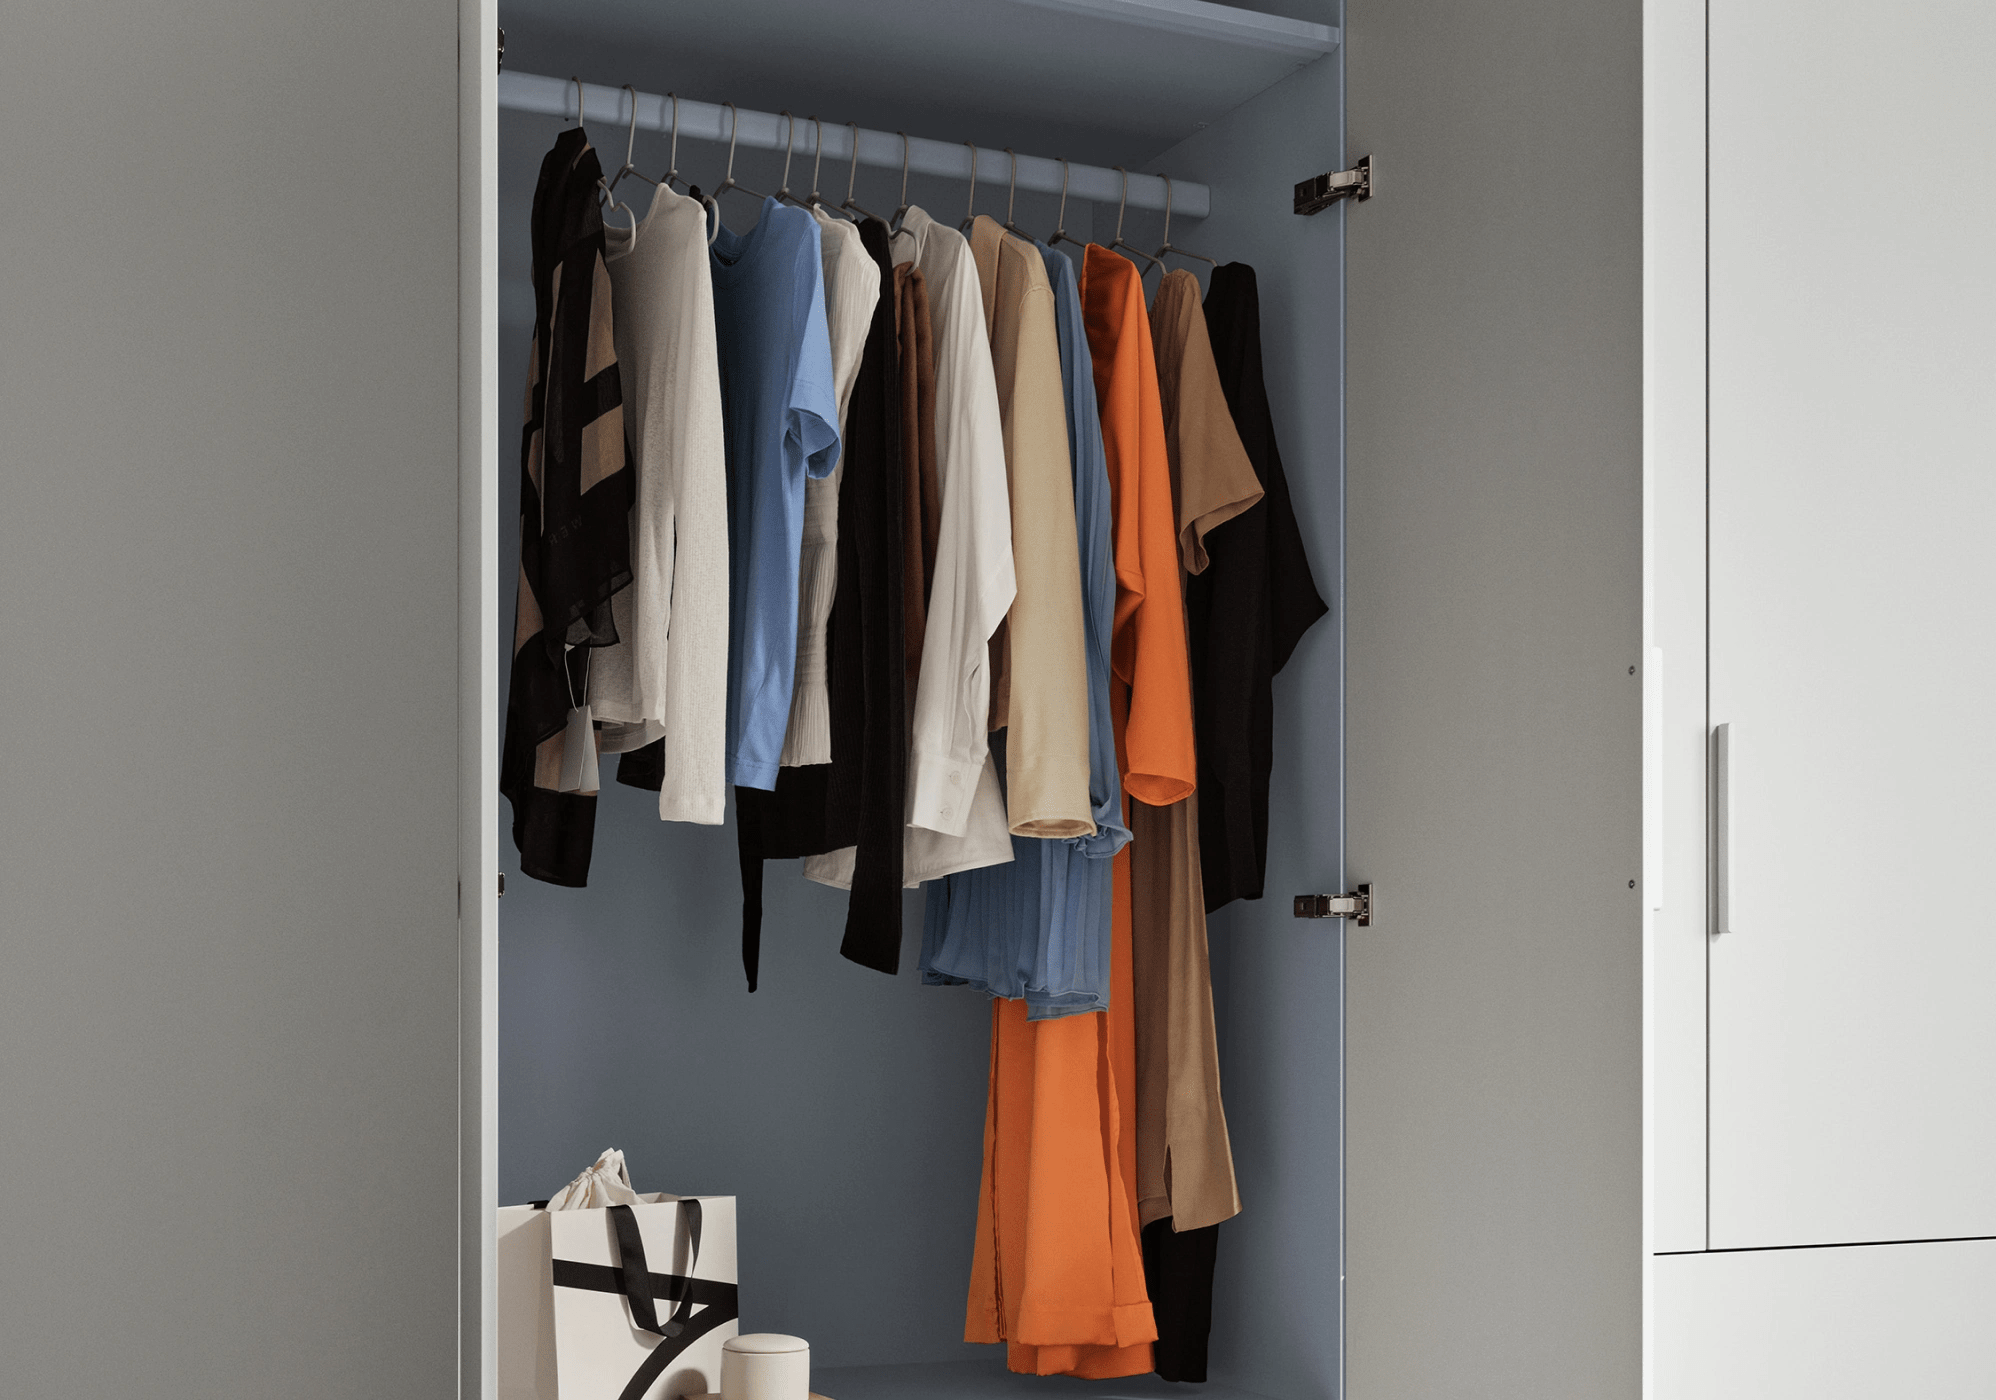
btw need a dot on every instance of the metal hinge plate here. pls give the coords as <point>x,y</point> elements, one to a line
<point>1320,192</point>
<point>1356,906</point>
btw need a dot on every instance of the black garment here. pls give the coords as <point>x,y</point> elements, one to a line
<point>859,798</point>
<point>577,483</point>
<point>1178,1272</point>
<point>1246,612</point>
<point>812,809</point>
<point>871,555</point>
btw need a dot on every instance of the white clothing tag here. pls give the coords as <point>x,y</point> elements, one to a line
<point>578,753</point>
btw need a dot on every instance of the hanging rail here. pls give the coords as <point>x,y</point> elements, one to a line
<point>703,121</point>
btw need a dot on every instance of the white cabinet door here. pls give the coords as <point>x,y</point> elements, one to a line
<point>1853,619</point>
<point>1826,1324</point>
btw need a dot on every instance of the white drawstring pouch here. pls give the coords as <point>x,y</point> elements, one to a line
<point>606,1293</point>
<point>607,1182</point>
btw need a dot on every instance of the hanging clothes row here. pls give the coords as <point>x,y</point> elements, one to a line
<point>966,569</point>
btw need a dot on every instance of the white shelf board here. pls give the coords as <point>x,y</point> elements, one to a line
<point>989,1380</point>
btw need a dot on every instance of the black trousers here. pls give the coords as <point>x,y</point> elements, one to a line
<point>1178,1271</point>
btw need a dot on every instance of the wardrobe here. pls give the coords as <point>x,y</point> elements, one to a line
<point>1647,394</point>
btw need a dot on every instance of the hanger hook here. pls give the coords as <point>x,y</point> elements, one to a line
<point>904,167</point>
<point>1167,211</point>
<point>1012,190</point>
<point>631,137</point>
<point>734,127</point>
<point>852,175</point>
<point>673,162</point>
<point>789,145</point>
<point>1060,219</point>
<point>578,98</point>
<point>970,206</point>
<point>1121,203</point>
<point>818,158</point>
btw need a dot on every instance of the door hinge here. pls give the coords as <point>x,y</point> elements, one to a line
<point>502,884</point>
<point>1356,906</point>
<point>502,51</point>
<point>1320,192</point>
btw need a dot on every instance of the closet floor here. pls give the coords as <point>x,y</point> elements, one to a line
<point>989,1380</point>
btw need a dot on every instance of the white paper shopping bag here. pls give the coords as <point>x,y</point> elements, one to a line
<point>624,1302</point>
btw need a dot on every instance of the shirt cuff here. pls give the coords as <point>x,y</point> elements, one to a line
<point>692,807</point>
<point>940,791</point>
<point>755,773</point>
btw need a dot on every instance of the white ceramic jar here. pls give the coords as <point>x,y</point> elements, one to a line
<point>765,1366</point>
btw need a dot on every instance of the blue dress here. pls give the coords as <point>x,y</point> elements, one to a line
<point>1038,928</point>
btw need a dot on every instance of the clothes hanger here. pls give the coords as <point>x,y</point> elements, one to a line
<point>612,205</point>
<point>728,181</point>
<point>970,205</point>
<point>671,175</point>
<point>1011,196</point>
<point>1060,233</point>
<point>601,183</point>
<point>901,212</point>
<point>814,200</point>
<point>1117,241</point>
<point>1166,247</point>
<point>852,177</point>
<point>630,145</point>
<point>789,145</point>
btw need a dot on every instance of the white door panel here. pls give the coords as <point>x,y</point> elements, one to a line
<point>1826,1324</point>
<point>1853,620</point>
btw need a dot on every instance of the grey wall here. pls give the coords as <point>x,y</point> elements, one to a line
<point>1494,1038</point>
<point>228,729</point>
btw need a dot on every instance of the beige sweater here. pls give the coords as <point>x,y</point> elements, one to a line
<point>1041,687</point>
<point>668,674</point>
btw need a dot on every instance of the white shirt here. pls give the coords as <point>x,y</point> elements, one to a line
<point>956,813</point>
<point>852,290</point>
<point>668,674</point>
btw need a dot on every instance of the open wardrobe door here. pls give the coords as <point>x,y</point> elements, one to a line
<point>1493,586</point>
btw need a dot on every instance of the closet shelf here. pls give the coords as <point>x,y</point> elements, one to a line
<point>1228,24</point>
<point>987,1379</point>
<point>707,121</point>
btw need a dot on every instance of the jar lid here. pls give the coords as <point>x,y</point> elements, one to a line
<point>763,1343</point>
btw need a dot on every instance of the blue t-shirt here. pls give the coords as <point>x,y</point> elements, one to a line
<point>781,414</point>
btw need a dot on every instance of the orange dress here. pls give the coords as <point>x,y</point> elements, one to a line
<point>1058,1267</point>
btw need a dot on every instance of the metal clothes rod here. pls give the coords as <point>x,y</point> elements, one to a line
<point>608,108</point>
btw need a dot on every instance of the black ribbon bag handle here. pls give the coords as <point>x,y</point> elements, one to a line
<point>637,1273</point>
<point>720,1302</point>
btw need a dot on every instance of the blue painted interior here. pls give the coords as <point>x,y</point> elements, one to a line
<point>845,1108</point>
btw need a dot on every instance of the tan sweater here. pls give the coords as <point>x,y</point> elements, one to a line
<point>1185,1162</point>
<point>1042,690</point>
